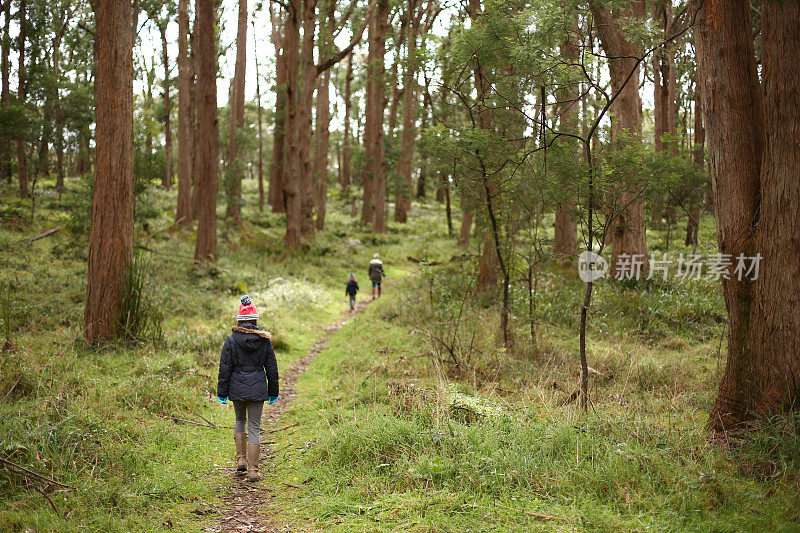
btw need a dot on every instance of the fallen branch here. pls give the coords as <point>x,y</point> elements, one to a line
<point>42,235</point>
<point>12,388</point>
<point>429,263</point>
<point>528,513</point>
<point>210,423</point>
<point>370,374</point>
<point>293,486</point>
<point>28,473</point>
<point>284,427</point>
<point>192,422</point>
<point>43,493</point>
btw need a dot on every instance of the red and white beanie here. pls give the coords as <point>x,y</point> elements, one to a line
<point>247,310</point>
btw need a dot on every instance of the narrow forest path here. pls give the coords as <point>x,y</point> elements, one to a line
<point>247,506</point>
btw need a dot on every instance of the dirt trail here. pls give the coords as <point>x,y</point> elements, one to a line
<point>248,506</point>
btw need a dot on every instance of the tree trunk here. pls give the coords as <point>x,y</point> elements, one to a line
<point>466,228</point>
<point>775,314</point>
<point>754,166</point>
<point>22,162</point>
<point>565,244</point>
<point>277,199</point>
<point>487,270</point>
<point>693,224</point>
<point>374,176</point>
<point>628,227</point>
<point>183,212</point>
<point>260,135</point>
<point>447,209</point>
<point>196,155</point>
<point>664,99</point>
<point>234,170</point>
<point>58,133</point>
<point>322,134</point>
<point>345,167</point>
<point>111,230</point>
<point>732,106</point>
<point>290,179</point>
<point>403,196</point>
<point>208,134</point>
<point>321,140</point>
<point>83,163</point>
<point>167,180</point>
<point>397,92</point>
<point>59,142</point>
<point>150,106</point>
<point>5,97</point>
<point>306,104</point>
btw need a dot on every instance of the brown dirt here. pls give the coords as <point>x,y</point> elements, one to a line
<point>247,507</point>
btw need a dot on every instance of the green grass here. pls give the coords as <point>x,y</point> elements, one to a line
<point>391,434</point>
<point>384,443</point>
<point>93,418</point>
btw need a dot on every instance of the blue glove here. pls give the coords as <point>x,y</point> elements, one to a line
<point>272,399</point>
<point>222,399</point>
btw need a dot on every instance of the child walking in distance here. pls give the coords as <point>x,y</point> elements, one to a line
<point>351,290</point>
<point>248,376</point>
<point>376,275</point>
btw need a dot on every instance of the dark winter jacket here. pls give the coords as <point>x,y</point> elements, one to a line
<point>375,271</point>
<point>352,288</point>
<point>246,363</point>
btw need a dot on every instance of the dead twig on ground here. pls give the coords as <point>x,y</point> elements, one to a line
<point>192,422</point>
<point>370,374</point>
<point>213,424</point>
<point>42,235</point>
<point>24,472</point>
<point>43,493</point>
<point>12,388</point>
<point>282,428</point>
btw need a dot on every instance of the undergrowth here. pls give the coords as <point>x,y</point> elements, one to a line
<point>412,418</point>
<point>122,428</point>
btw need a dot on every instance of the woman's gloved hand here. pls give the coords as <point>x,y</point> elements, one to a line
<point>272,399</point>
<point>222,400</point>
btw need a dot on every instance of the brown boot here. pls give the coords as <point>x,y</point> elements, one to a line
<point>241,451</point>
<point>253,451</point>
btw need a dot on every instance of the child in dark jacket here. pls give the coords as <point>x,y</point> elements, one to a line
<point>248,376</point>
<point>350,290</point>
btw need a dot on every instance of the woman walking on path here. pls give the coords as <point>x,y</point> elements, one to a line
<point>248,376</point>
<point>376,275</point>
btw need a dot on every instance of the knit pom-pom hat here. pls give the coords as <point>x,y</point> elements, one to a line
<point>247,310</point>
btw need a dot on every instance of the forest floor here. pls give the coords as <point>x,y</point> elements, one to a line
<point>411,417</point>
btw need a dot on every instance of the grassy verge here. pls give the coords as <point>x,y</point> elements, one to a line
<point>97,419</point>
<point>393,436</point>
